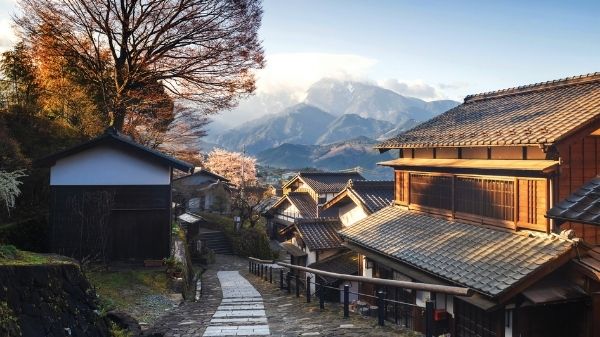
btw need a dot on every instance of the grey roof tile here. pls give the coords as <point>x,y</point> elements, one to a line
<point>328,182</point>
<point>487,260</point>
<point>530,115</point>
<point>582,205</point>
<point>320,233</point>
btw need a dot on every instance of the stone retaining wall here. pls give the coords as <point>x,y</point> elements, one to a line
<point>48,300</point>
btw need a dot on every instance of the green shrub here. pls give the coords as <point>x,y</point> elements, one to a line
<point>8,252</point>
<point>247,242</point>
<point>30,234</point>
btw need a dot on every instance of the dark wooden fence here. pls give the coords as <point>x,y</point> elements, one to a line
<point>409,315</point>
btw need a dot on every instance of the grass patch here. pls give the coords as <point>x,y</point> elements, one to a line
<point>9,255</point>
<point>142,293</point>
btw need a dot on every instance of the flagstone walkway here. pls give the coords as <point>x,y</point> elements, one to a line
<point>242,312</point>
<point>236,303</point>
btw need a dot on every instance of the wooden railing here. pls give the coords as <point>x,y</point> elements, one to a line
<point>409,313</point>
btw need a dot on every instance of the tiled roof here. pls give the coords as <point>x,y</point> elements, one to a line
<point>375,195</point>
<point>305,204</point>
<point>114,138</point>
<point>345,263</point>
<point>581,206</point>
<point>487,260</point>
<point>541,113</point>
<point>328,182</point>
<point>266,204</point>
<point>320,233</point>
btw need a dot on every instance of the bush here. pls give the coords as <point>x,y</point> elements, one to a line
<point>247,242</point>
<point>30,234</point>
<point>8,252</point>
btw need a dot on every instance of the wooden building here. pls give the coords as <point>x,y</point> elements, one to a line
<point>472,189</point>
<point>359,199</point>
<point>304,196</point>
<point>111,198</point>
<point>203,191</point>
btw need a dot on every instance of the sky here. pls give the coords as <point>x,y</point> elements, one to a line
<point>426,49</point>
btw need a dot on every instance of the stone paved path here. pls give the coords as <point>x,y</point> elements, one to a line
<point>283,314</point>
<point>242,312</point>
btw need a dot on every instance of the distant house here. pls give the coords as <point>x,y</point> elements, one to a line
<point>359,199</point>
<point>304,196</point>
<point>473,187</point>
<point>111,197</point>
<point>204,191</point>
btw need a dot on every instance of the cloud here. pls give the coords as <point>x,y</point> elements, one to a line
<point>296,72</point>
<point>7,33</point>
<point>418,89</point>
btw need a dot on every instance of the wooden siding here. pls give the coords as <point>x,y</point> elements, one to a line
<point>533,204</point>
<point>580,163</point>
<point>401,187</point>
<point>128,222</point>
<point>507,202</point>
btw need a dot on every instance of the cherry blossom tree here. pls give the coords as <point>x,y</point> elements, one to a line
<point>232,165</point>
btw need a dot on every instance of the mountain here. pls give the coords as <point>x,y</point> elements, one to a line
<point>348,154</point>
<point>298,124</point>
<point>351,125</point>
<point>371,101</point>
<point>411,123</point>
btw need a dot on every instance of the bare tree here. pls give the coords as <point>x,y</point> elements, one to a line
<point>198,50</point>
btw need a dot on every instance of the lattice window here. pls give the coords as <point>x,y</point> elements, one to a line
<point>485,197</point>
<point>431,190</point>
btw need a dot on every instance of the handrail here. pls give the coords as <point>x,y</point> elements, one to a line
<point>262,261</point>
<point>450,290</point>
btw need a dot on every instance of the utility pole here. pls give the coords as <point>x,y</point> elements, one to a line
<point>243,164</point>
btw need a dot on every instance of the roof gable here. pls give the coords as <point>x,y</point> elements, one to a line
<point>113,138</point>
<point>537,114</point>
<point>206,173</point>
<point>325,182</point>
<point>488,260</point>
<point>306,205</point>
<point>371,195</point>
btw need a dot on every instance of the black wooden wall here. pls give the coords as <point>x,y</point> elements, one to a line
<point>117,222</point>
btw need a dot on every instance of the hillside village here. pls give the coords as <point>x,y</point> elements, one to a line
<point>137,202</point>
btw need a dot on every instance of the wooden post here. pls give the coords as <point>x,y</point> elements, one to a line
<point>297,279</point>
<point>346,300</point>
<point>380,308</point>
<point>249,265</point>
<point>288,277</point>
<point>429,318</point>
<point>271,274</point>
<point>308,289</point>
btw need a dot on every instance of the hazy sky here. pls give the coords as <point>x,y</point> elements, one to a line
<point>428,49</point>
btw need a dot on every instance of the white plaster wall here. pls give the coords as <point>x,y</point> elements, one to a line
<point>367,272</point>
<point>450,304</point>
<point>107,166</point>
<point>422,297</point>
<point>350,214</point>
<point>290,210</point>
<point>311,257</point>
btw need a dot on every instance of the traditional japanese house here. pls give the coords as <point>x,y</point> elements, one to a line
<point>111,198</point>
<point>359,199</point>
<point>203,191</point>
<point>472,188</point>
<point>304,196</point>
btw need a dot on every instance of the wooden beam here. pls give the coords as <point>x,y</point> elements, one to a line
<point>442,289</point>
